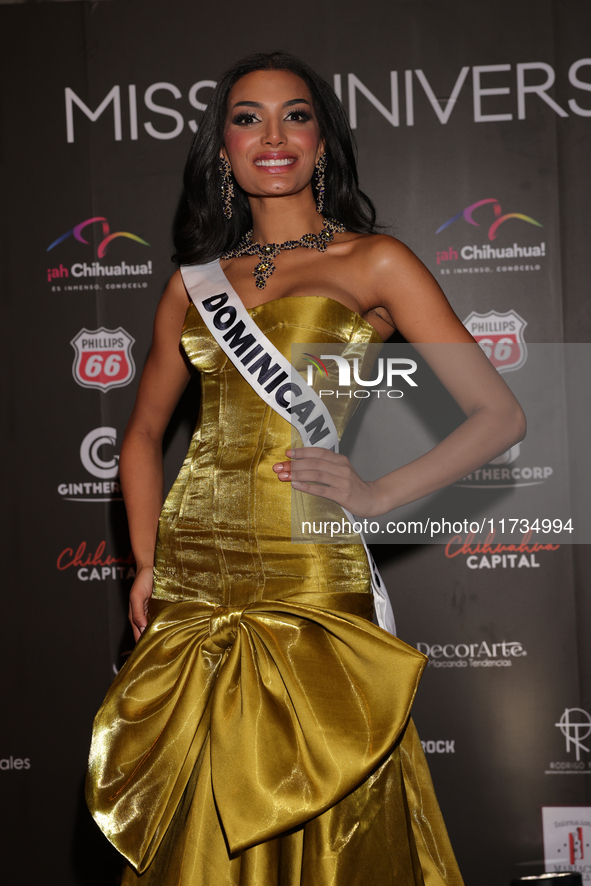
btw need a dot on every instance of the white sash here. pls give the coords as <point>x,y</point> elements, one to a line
<point>251,352</point>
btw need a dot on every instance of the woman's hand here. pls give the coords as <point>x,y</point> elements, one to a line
<point>139,596</point>
<point>340,482</point>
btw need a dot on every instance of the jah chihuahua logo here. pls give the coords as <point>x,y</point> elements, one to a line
<point>471,252</point>
<point>500,219</point>
<point>107,237</point>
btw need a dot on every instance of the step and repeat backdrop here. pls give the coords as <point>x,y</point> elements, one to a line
<point>473,126</point>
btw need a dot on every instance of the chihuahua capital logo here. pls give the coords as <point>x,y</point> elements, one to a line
<point>101,250</point>
<point>499,218</point>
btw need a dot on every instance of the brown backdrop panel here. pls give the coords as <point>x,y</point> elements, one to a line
<point>409,75</point>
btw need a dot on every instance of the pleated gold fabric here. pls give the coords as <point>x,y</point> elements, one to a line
<point>259,734</point>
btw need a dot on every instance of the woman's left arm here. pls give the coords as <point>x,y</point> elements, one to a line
<point>401,284</point>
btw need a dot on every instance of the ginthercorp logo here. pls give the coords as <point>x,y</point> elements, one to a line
<point>481,654</point>
<point>388,372</point>
<point>567,839</point>
<point>103,358</point>
<point>95,564</point>
<point>461,258</point>
<point>575,727</point>
<point>99,460</point>
<point>94,271</point>
<point>500,335</point>
<point>507,471</point>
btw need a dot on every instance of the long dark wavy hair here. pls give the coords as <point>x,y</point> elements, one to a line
<point>205,232</point>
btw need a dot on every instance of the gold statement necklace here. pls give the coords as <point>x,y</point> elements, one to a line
<point>269,251</point>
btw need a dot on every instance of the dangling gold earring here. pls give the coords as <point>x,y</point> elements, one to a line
<point>319,183</point>
<point>227,187</point>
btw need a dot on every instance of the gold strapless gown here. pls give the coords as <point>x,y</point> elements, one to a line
<point>259,735</point>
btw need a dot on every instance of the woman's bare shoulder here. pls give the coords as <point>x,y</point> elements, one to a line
<point>175,299</point>
<point>383,262</point>
<point>396,281</point>
<point>175,288</point>
<point>382,252</point>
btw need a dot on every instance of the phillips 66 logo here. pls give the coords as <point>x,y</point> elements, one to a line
<point>500,336</point>
<point>103,358</point>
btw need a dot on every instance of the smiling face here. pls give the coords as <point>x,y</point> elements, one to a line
<point>271,137</point>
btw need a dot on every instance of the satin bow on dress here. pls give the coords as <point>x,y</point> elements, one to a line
<point>283,698</point>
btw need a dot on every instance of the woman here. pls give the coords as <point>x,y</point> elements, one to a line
<point>259,734</point>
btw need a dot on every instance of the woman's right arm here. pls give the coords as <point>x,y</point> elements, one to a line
<point>163,380</point>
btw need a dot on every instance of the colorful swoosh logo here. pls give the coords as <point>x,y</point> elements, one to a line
<point>76,232</point>
<point>317,362</point>
<point>466,214</point>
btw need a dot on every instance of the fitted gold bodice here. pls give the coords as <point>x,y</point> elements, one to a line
<point>225,530</point>
<point>259,733</point>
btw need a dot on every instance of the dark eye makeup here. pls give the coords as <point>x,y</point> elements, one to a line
<point>301,114</point>
<point>245,118</point>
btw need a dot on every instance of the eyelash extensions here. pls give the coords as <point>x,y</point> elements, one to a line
<point>245,118</point>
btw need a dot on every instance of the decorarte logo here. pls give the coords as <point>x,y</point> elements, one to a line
<point>469,252</point>
<point>481,654</point>
<point>103,358</point>
<point>96,269</point>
